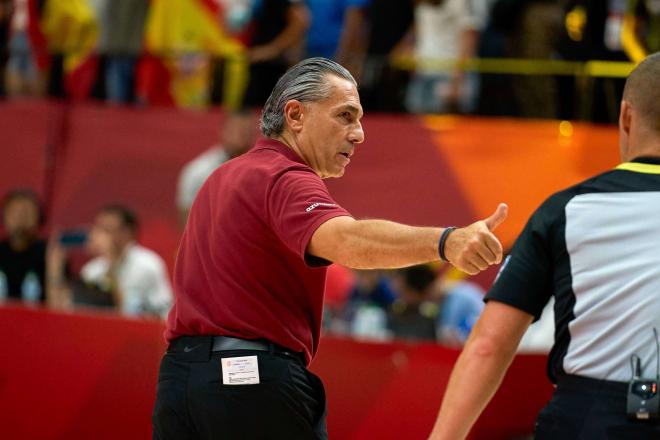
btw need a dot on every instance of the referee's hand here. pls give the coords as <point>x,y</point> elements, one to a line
<point>475,247</point>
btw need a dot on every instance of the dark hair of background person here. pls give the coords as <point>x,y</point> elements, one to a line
<point>127,216</point>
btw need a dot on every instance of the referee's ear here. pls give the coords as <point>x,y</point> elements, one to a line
<point>293,114</point>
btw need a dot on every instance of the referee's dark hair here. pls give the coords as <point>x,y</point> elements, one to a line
<point>127,216</point>
<point>642,90</point>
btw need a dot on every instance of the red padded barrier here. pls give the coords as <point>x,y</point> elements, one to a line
<point>93,375</point>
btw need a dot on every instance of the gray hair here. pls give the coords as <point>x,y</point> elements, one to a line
<point>304,82</point>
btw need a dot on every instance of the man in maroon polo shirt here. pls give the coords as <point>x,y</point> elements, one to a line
<point>250,273</point>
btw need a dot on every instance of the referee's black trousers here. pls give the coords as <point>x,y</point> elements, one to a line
<point>589,409</point>
<point>193,403</point>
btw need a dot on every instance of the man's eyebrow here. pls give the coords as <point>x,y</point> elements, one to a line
<point>351,108</point>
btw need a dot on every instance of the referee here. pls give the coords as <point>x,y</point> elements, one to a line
<point>595,247</point>
<point>250,273</point>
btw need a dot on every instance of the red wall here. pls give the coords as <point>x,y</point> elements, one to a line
<point>75,376</point>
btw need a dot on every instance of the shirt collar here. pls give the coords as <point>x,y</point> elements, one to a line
<point>265,143</point>
<point>642,164</point>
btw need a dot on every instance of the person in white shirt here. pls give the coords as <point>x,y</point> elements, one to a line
<point>135,276</point>
<point>238,135</point>
<point>446,34</point>
<point>125,274</point>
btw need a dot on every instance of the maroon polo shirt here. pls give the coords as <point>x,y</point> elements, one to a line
<point>242,270</point>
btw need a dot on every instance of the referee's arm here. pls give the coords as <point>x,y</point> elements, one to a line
<point>480,368</point>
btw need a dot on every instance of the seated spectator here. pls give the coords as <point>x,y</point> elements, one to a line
<point>461,305</point>
<point>413,315</point>
<point>133,278</point>
<point>365,313</point>
<point>238,135</point>
<point>22,253</point>
<point>371,287</point>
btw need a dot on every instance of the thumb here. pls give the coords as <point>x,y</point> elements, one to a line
<point>498,217</point>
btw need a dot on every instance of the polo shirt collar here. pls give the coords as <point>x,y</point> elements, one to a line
<point>275,145</point>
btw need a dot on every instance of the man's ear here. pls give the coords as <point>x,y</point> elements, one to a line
<point>293,114</point>
<point>625,117</point>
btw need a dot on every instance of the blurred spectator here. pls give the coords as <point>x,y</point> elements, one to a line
<point>382,87</point>
<point>277,26</point>
<point>24,72</point>
<point>413,315</point>
<point>120,45</point>
<point>122,273</point>
<point>180,38</point>
<point>365,313</point>
<point>593,32</point>
<point>462,303</point>
<point>527,29</point>
<point>537,36</point>
<point>445,31</point>
<point>71,30</point>
<point>22,253</point>
<point>5,20</point>
<point>640,32</point>
<point>336,30</point>
<point>495,96</point>
<point>372,287</point>
<point>238,135</point>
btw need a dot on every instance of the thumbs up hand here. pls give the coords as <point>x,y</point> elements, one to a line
<point>475,247</point>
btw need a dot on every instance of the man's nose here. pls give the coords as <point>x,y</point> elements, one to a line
<point>356,135</point>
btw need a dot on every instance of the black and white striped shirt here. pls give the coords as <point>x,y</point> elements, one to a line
<point>595,247</point>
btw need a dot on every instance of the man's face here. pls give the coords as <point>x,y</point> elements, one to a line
<point>21,218</point>
<point>108,235</point>
<point>331,128</point>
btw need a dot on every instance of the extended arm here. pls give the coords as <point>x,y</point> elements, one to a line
<point>368,244</point>
<point>480,369</point>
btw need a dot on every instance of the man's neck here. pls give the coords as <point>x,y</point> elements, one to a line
<point>287,139</point>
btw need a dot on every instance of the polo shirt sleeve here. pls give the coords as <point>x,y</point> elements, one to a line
<point>525,278</point>
<point>298,203</point>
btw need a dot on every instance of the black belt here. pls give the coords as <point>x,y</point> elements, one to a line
<point>200,346</point>
<point>583,384</point>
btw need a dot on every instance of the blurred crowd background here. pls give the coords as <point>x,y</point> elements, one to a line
<point>418,56</point>
<point>520,58</point>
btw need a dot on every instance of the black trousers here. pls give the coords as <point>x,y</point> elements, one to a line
<point>585,409</point>
<point>193,403</point>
